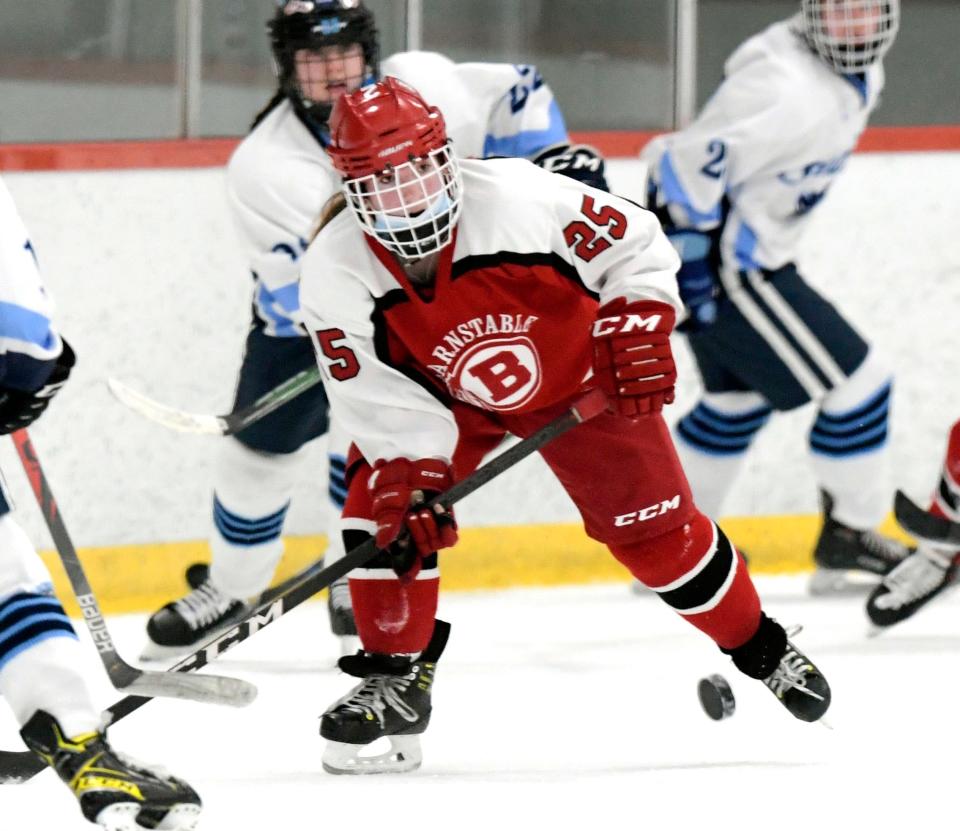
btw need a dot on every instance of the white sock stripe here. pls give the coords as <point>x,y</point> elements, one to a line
<point>683,579</point>
<point>795,325</point>
<point>757,318</point>
<point>714,601</point>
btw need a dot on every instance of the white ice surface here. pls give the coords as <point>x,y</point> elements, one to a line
<point>565,709</point>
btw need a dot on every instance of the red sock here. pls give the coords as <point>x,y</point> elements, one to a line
<point>393,618</point>
<point>696,570</point>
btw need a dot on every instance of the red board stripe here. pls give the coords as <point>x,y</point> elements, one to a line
<point>214,152</point>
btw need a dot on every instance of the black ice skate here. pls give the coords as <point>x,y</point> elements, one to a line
<point>180,627</point>
<point>791,676</point>
<point>393,701</point>
<point>844,556</point>
<point>911,585</point>
<point>114,791</point>
<point>342,623</point>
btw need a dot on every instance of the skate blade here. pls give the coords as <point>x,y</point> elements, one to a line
<point>836,582</point>
<point>403,756</point>
<point>154,653</point>
<point>122,816</point>
<point>349,644</point>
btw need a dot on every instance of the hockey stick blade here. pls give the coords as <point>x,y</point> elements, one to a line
<point>214,425</point>
<point>205,688</point>
<point>301,587</point>
<point>924,525</point>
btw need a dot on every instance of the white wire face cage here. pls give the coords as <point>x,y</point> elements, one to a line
<point>850,35</point>
<point>411,208</point>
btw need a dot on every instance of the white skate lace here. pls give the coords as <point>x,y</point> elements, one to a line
<point>378,692</point>
<point>790,674</point>
<point>912,580</point>
<point>203,605</point>
<point>886,548</point>
<point>340,595</point>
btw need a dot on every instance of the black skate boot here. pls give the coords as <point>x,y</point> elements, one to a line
<point>114,791</point>
<point>791,676</point>
<point>180,627</point>
<point>911,585</point>
<point>844,555</point>
<point>342,623</point>
<point>393,701</point>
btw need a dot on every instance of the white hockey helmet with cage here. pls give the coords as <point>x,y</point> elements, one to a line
<point>400,175</point>
<point>850,35</point>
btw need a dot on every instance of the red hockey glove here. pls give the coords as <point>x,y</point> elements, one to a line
<point>405,527</point>
<point>632,359</point>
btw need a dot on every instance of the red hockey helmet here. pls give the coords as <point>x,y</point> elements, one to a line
<point>401,177</point>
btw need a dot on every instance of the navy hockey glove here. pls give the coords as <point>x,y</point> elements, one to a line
<point>405,527</point>
<point>578,161</point>
<point>19,408</point>
<point>696,279</point>
<point>632,359</point>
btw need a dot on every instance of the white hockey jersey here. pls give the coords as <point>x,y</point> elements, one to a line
<point>506,326</point>
<point>28,342</point>
<point>280,177</point>
<point>765,150</point>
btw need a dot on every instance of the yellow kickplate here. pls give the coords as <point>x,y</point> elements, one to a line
<point>141,578</point>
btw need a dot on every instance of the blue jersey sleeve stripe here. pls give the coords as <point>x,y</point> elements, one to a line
<point>19,323</point>
<point>528,142</point>
<point>675,194</point>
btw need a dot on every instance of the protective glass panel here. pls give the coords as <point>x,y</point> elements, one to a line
<point>917,91</point>
<point>73,70</point>
<point>238,77</point>
<point>609,63</point>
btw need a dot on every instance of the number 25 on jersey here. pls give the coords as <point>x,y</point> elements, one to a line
<point>587,239</point>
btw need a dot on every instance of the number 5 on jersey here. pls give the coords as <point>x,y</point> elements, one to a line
<point>585,238</point>
<point>343,363</point>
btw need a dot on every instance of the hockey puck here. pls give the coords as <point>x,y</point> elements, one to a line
<point>716,697</point>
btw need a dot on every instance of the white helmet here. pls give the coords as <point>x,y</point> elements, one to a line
<point>850,35</point>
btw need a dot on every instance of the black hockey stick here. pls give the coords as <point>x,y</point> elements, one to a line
<point>215,425</point>
<point>924,525</point>
<point>314,579</point>
<point>214,689</point>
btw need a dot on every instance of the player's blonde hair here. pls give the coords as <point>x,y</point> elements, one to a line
<point>331,209</point>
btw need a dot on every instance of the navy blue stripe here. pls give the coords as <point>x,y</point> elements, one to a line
<point>338,463</point>
<point>878,402</point>
<point>337,498</point>
<point>718,428</point>
<point>753,419</point>
<point>851,449</point>
<point>249,527</point>
<point>339,479</point>
<point>247,539</point>
<point>33,633</point>
<point>833,435</point>
<point>782,329</point>
<point>245,522</point>
<point>710,446</point>
<point>23,606</point>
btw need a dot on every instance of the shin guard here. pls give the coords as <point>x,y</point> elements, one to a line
<point>697,571</point>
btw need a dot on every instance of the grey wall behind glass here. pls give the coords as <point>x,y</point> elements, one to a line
<point>87,69</point>
<point>923,74</point>
<point>609,62</point>
<point>238,77</point>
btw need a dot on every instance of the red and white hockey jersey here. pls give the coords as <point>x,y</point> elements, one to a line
<point>506,323</point>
